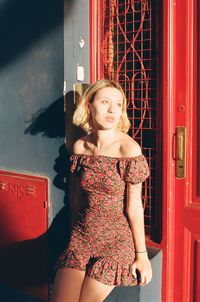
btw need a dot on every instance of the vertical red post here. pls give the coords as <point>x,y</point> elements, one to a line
<point>168,239</point>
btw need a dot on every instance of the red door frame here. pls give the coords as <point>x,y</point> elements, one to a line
<point>168,239</point>
<point>93,6</point>
<point>178,99</point>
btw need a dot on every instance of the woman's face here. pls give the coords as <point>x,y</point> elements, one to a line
<point>106,108</point>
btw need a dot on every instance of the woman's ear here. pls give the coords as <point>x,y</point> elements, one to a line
<point>88,107</point>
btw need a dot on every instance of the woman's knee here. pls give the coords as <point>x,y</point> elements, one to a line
<point>67,286</point>
<point>94,291</point>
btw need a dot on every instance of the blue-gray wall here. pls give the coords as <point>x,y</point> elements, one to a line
<point>31,104</point>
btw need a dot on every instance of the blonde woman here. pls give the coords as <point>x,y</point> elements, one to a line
<point>107,244</point>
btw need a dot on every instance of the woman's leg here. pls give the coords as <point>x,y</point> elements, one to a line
<point>94,291</point>
<point>67,286</point>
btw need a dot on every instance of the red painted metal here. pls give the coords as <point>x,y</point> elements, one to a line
<point>93,40</point>
<point>168,228</point>
<point>23,223</point>
<point>187,229</point>
<point>197,77</point>
<point>126,52</point>
<point>181,208</point>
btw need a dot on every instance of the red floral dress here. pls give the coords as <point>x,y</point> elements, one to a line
<point>101,241</point>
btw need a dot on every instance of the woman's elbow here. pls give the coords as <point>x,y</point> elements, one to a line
<point>134,210</point>
<point>130,211</point>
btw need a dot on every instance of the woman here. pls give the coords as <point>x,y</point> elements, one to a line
<point>107,245</point>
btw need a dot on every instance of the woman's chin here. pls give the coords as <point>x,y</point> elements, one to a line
<point>105,126</point>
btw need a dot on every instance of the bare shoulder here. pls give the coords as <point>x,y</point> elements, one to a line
<point>79,145</point>
<point>129,147</point>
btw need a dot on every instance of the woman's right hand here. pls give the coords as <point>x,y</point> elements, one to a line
<point>143,265</point>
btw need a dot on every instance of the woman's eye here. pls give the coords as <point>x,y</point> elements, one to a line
<point>119,105</point>
<point>104,102</point>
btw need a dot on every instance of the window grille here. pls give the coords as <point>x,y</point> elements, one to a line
<point>127,54</point>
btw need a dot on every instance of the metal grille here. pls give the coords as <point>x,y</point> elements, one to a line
<point>127,50</point>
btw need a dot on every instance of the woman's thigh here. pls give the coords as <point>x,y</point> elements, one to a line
<point>67,286</point>
<point>94,291</point>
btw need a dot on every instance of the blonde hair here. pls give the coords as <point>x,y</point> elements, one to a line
<point>82,115</point>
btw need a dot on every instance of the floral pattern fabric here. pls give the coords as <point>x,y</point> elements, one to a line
<point>101,241</point>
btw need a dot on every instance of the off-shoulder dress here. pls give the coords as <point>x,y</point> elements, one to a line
<point>101,242</point>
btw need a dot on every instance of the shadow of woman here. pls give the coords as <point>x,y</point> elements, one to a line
<point>28,264</point>
<point>52,122</point>
<point>59,230</point>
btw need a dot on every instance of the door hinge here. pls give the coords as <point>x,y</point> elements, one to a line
<point>45,203</point>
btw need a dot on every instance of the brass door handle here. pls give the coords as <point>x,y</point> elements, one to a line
<point>180,152</point>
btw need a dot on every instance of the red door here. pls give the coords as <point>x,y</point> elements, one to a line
<point>181,228</point>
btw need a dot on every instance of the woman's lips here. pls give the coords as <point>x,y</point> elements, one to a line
<point>110,119</point>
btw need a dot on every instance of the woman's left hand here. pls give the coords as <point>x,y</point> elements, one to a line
<point>143,265</point>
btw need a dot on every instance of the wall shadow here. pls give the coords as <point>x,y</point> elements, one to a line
<point>52,122</point>
<point>29,264</point>
<point>22,24</point>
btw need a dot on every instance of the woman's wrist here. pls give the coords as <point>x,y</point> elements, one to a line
<point>141,252</point>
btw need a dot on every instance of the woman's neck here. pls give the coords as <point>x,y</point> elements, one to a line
<point>102,138</point>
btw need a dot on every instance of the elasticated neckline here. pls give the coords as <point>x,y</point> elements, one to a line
<point>110,157</point>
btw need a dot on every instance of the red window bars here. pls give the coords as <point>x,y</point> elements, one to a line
<point>126,53</point>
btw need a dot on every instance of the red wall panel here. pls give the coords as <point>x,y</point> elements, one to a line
<point>23,226</point>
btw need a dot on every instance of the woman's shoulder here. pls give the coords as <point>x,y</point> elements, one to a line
<point>79,144</point>
<point>129,147</point>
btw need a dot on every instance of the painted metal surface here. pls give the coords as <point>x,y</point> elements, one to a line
<point>168,96</point>
<point>188,202</point>
<point>23,223</point>
<point>181,208</point>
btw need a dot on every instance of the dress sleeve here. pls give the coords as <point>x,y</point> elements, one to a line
<point>74,163</point>
<point>135,169</point>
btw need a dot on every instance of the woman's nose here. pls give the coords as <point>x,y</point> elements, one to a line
<point>111,108</point>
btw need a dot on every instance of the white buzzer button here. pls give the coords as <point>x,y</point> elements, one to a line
<point>80,73</point>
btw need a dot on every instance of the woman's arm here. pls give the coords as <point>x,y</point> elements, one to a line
<point>135,213</point>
